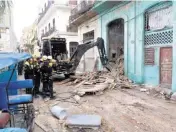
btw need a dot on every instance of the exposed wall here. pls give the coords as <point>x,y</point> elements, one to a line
<point>133,14</point>
<point>88,60</point>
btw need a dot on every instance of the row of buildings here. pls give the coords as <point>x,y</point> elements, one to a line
<point>143,31</point>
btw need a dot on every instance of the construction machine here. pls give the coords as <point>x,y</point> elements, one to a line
<point>56,47</point>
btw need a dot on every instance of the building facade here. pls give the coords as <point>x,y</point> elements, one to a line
<point>8,40</point>
<point>53,21</point>
<point>144,32</point>
<point>86,21</point>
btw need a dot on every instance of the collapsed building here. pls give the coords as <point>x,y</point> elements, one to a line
<point>142,31</point>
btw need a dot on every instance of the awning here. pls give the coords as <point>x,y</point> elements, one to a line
<point>8,58</point>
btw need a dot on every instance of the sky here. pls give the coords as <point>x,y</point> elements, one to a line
<point>25,13</point>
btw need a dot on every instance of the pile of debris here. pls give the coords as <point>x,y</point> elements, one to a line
<point>96,82</point>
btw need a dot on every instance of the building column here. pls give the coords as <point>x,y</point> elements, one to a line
<point>174,49</point>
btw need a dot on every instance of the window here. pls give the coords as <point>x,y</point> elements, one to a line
<point>88,36</point>
<point>159,17</point>
<point>149,56</point>
<point>54,23</point>
<point>73,46</point>
<point>45,29</point>
<point>49,26</point>
<point>159,25</point>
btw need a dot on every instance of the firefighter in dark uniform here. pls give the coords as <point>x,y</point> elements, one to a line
<point>28,69</point>
<point>46,71</point>
<point>36,64</point>
<point>20,68</point>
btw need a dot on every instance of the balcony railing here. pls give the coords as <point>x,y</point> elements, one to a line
<point>46,9</point>
<point>52,30</point>
<point>80,9</point>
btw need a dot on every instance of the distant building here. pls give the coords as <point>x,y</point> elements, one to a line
<point>8,40</point>
<point>53,21</point>
<point>29,39</point>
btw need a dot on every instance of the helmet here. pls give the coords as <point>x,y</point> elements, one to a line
<point>53,61</point>
<point>44,57</point>
<point>49,57</point>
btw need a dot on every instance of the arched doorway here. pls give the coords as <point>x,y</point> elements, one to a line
<point>116,39</point>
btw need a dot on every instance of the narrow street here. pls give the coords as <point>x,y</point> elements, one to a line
<point>126,110</point>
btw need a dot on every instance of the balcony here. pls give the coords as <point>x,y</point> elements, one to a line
<point>82,12</point>
<point>46,9</point>
<point>52,30</point>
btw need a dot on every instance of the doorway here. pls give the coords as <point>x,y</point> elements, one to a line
<point>116,39</point>
<point>166,67</point>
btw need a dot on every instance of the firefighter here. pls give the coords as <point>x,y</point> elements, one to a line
<point>44,75</point>
<point>20,68</point>
<point>36,74</point>
<point>51,64</point>
<point>46,71</point>
<point>28,69</point>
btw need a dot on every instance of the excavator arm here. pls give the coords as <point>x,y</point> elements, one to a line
<point>81,50</point>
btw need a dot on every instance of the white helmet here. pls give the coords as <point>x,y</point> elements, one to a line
<point>44,57</point>
<point>49,57</point>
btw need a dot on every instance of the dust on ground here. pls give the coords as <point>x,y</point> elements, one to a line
<point>122,110</point>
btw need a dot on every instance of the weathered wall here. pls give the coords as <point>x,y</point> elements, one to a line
<point>88,60</point>
<point>133,15</point>
<point>174,49</point>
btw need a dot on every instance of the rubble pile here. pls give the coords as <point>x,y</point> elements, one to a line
<point>93,82</point>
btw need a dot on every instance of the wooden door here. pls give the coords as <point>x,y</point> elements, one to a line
<point>166,66</point>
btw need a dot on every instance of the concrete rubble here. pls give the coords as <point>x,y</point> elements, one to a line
<point>84,121</point>
<point>82,114</point>
<point>59,112</point>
